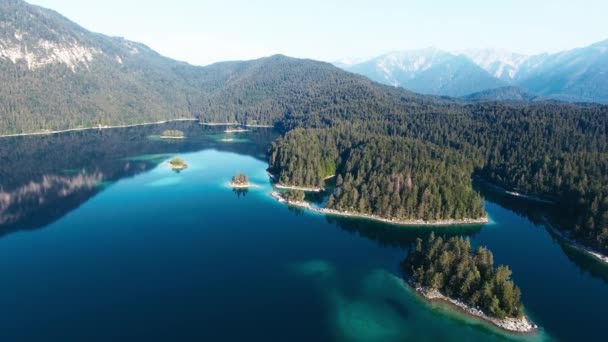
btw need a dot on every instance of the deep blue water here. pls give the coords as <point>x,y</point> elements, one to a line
<point>102,241</point>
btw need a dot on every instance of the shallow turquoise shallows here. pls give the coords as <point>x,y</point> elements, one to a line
<point>102,241</point>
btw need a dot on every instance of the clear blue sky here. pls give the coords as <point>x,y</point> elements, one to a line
<point>201,32</point>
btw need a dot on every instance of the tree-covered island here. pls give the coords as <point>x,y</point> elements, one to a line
<point>240,180</point>
<point>172,134</point>
<point>448,270</point>
<point>177,164</point>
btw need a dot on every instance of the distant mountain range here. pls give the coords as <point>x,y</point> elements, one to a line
<point>57,75</point>
<point>578,75</point>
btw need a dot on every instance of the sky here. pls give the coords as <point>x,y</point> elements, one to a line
<point>202,32</point>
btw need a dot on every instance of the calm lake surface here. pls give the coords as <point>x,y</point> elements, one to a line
<point>100,241</point>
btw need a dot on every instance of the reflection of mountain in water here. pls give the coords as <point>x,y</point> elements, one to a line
<point>44,177</point>
<point>20,206</point>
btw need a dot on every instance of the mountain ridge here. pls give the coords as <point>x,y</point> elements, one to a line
<point>576,75</point>
<point>428,71</point>
<point>49,85</point>
<point>502,94</point>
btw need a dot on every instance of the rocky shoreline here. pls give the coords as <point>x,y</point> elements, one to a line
<point>281,199</point>
<point>177,167</point>
<point>170,137</point>
<point>241,186</point>
<point>259,126</point>
<point>49,132</point>
<point>219,123</point>
<point>326,211</point>
<point>239,130</point>
<point>515,193</point>
<point>301,188</point>
<point>599,256</point>
<point>517,325</point>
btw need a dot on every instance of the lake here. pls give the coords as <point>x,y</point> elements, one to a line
<point>100,240</point>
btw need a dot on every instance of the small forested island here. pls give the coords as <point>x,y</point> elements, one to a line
<point>172,134</point>
<point>177,164</point>
<point>447,270</point>
<point>240,180</point>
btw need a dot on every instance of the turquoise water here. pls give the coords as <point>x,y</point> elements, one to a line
<point>117,246</point>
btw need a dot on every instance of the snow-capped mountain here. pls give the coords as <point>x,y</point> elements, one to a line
<point>428,71</point>
<point>574,75</point>
<point>35,37</point>
<point>501,64</point>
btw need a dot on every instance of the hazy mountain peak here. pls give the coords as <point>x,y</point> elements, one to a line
<point>410,61</point>
<point>428,70</point>
<point>572,75</point>
<point>499,63</point>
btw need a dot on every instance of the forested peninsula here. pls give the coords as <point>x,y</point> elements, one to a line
<point>552,150</point>
<point>393,178</point>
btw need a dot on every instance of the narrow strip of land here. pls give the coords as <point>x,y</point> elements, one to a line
<point>515,193</point>
<point>238,130</point>
<point>219,123</point>
<point>260,126</point>
<point>597,255</point>
<point>301,188</point>
<point>325,211</point>
<point>95,127</point>
<point>519,325</point>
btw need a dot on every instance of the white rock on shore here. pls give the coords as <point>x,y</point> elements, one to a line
<point>565,236</point>
<point>281,199</point>
<point>301,188</point>
<point>326,211</point>
<point>520,325</point>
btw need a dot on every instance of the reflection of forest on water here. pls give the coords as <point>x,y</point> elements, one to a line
<point>44,177</point>
<point>389,235</point>
<point>536,212</point>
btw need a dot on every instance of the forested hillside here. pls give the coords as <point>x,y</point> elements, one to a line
<point>57,75</point>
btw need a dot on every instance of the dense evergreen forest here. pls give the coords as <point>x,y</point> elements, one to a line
<point>450,267</point>
<point>551,150</point>
<point>554,150</point>
<point>392,177</point>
